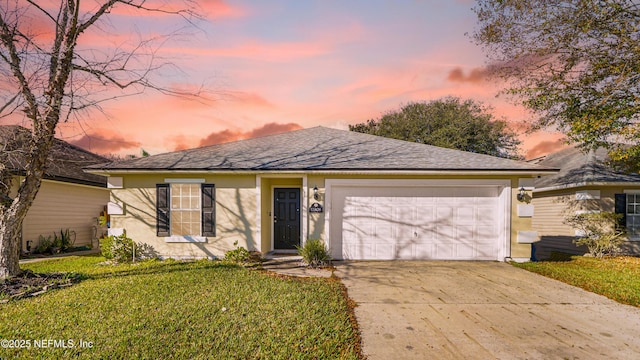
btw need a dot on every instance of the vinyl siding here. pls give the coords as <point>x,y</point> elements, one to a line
<point>549,213</point>
<point>64,206</point>
<point>551,208</point>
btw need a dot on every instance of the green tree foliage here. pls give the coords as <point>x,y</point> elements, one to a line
<point>449,122</point>
<point>575,63</point>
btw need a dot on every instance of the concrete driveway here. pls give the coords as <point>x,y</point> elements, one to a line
<point>482,310</point>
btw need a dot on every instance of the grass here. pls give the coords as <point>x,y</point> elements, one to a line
<point>181,310</point>
<point>616,278</point>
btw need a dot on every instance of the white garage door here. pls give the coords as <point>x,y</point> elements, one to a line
<point>443,223</point>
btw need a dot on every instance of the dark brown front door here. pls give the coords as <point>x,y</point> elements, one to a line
<point>286,219</point>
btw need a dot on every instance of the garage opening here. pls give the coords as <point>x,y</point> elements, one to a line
<point>418,220</point>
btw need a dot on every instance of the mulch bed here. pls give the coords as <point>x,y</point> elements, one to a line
<point>30,284</point>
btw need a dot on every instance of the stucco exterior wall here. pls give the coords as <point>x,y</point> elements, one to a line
<point>244,205</point>
<point>236,207</point>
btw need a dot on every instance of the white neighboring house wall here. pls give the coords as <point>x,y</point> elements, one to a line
<point>60,206</point>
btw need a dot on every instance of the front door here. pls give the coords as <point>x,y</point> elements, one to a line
<point>286,219</point>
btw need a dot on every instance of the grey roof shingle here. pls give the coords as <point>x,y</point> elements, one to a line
<point>65,162</point>
<point>577,167</point>
<point>323,149</point>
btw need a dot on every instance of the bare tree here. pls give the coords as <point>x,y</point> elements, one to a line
<point>49,77</point>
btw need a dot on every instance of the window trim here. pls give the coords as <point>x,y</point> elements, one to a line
<point>176,208</point>
<point>163,214</point>
<point>627,215</point>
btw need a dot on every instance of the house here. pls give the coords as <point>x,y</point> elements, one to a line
<point>585,183</point>
<point>68,198</point>
<point>366,197</point>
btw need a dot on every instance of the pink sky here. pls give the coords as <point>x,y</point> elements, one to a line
<point>273,66</point>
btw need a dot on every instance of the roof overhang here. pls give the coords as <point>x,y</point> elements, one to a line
<point>448,172</point>
<point>585,184</point>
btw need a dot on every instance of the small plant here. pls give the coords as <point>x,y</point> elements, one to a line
<point>44,245</point>
<point>238,255</point>
<point>314,253</point>
<point>119,248</point>
<point>601,235</point>
<point>64,241</point>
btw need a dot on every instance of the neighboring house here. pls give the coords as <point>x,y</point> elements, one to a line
<point>68,198</point>
<point>585,183</point>
<point>366,197</point>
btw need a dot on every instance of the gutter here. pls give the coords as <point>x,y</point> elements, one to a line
<point>585,183</point>
<point>448,172</point>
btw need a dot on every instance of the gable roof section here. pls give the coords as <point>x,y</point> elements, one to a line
<point>578,169</point>
<point>65,161</point>
<point>321,149</point>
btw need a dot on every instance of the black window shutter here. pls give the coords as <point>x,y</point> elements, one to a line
<point>208,210</point>
<point>620,207</point>
<point>162,210</point>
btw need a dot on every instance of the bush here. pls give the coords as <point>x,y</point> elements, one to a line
<point>314,253</point>
<point>119,248</point>
<point>62,241</point>
<point>601,235</point>
<point>65,241</point>
<point>238,255</point>
<point>44,245</point>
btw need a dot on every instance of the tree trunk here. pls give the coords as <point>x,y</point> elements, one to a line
<point>12,216</point>
<point>9,244</point>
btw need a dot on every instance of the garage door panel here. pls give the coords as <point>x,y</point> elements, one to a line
<point>465,215</point>
<point>465,233</point>
<point>435,223</point>
<point>444,233</point>
<point>424,251</point>
<point>406,251</point>
<point>464,251</point>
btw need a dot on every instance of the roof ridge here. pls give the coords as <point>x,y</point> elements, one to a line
<point>243,140</point>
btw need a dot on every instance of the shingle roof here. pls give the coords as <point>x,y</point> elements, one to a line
<point>66,161</point>
<point>577,167</point>
<point>323,149</point>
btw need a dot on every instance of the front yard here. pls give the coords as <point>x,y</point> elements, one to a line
<point>616,278</point>
<point>182,310</point>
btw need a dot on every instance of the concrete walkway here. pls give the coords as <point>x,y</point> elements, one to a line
<point>61,255</point>
<point>482,310</point>
<point>291,265</point>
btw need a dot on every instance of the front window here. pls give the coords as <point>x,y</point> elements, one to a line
<point>633,214</point>
<point>185,209</point>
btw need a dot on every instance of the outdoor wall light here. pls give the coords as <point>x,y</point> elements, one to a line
<point>315,193</point>
<point>521,194</point>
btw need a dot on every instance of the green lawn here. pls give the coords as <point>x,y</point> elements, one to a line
<point>616,278</point>
<point>180,310</point>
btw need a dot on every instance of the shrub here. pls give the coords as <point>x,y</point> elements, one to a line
<point>65,241</point>
<point>44,245</point>
<point>238,255</point>
<point>314,253</point>
<point>119,248</point>
<point>601,235</point>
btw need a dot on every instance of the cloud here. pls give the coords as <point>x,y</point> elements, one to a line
<point>256,49</point>
<point>248,98</point>
<point>211,9</point>
<point>230,135</point>
<point>104,142</point>
<point>216,9</point>
<point>476,75</point>
<point>544,148</point>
